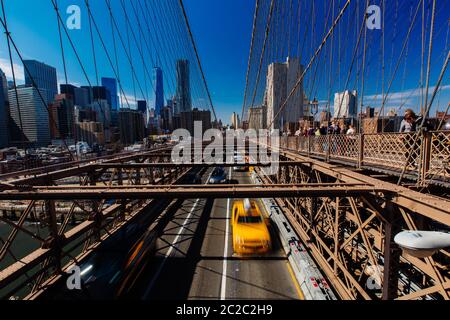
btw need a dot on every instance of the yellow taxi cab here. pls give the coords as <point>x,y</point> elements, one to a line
<point>250,231</point>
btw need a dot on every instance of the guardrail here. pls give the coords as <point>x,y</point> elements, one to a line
<point>428,153</point>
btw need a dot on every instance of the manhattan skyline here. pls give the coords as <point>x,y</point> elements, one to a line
<point>227,39</point>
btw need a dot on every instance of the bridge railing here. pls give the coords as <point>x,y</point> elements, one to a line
<point>439,148</point>
<point>427,155</point>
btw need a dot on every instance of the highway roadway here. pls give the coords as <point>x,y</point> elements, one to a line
<point>187,254</point>
<point>194,258</point>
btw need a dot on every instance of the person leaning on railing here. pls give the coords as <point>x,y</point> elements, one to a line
<point>350,135</point>
<point>410,124</point>
<point>351,130</point>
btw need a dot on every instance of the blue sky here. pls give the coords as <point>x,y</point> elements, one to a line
<point>222,30</point>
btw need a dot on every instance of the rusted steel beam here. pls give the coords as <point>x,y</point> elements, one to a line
<point>427,205</point>
<point>195,165</point>
<point>392,254</point>
<point>15,230</point>
<point>18,269</point>
<point>43,175</point>
<point>198,186</point>
<point>61,166</point>
<point>47,178</point>
<point>371,222</point>
<point>170,192</point>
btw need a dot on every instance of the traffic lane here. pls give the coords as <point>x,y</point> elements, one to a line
<point>207,282</point>
<point>174,240</point>
<point>194,269</point>
<point>178,250</point>
<point>264,277</point>
<point>220,275</point>
<point>208,274</point>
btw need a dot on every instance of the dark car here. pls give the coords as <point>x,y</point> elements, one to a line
<point>192,177</point>
<point>218,176</point>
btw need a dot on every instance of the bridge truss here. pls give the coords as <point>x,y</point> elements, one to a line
<point>346,220</point>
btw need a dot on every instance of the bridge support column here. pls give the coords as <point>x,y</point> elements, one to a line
<point>361,151</point>
<point>138,177</point>
<point>312,213</point>
<point>392,254</point>
<point>54,241</point>
<point>425,160</point>
<point>96,214</point>
<point>338,233</point>
<point>328,153</point>
<point>120,177</point>
<point>123,210</point>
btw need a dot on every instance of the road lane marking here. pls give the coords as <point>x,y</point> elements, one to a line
<point>223,287</point>
<point>169,253</point>
<point>296,284</point>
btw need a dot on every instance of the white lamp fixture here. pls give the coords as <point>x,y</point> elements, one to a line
<point>422,244</point>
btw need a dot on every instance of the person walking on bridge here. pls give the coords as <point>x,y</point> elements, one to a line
<point>410,124</point>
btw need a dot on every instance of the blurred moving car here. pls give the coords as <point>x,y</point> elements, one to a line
<point>192,177</point>
<point>218,176</point>
<point>238,159</point>
<point>250,230</point>
<point>139,256</point>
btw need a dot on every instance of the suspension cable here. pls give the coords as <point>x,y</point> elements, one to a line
<point>319,49</point>
<point>5,25</point>
<point>252,43</point>
<point>269,19</point>
<point>198,59</point>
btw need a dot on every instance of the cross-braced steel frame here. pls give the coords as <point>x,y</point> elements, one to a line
<point>352,237</point>
<point>345,219</point>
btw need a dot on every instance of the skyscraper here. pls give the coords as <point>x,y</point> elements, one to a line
<point>142,106</point>
<point>275,94</point>
<point>4,106</point>
<point>101,103</point>
<point>235,120</point>
<point>33,115</point>
<point>295,106</point>
<point>80,96</point>
<point>111,85</point>
<point>281,79</point>
<point>132,128</point>
<point>100,93</point>
<point>159,91</point>
<point>183,97</point>
<point>44,77</point>
<point>170,104</point>
<point>257,118</point>
<point>189,118</point>
<point>345,105</point>
<point>63,115</point>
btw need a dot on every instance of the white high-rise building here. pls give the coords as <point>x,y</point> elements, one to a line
<point>345,105</point>
<point>235,120</point>
<point>257,118</point>
<point>281,80</point>
<point>294,110</point>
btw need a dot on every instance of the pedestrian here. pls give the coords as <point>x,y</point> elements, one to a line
<point>409,125</point>
<point>344,129</point>
<point>351,130</point>
<point>337,128</point>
